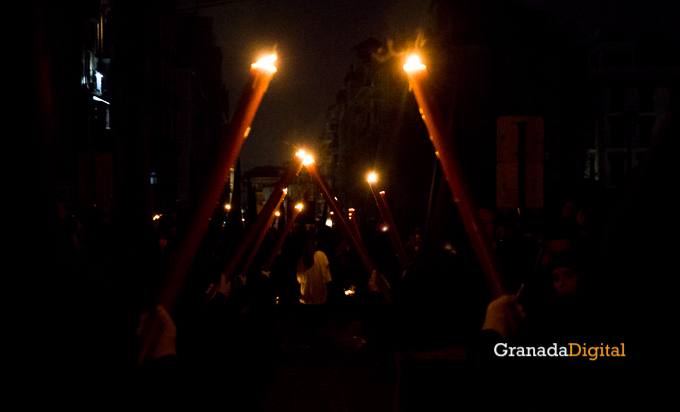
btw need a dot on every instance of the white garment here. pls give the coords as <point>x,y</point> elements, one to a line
<point>313,290</point>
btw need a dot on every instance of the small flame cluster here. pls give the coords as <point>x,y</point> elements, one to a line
<point>350,291</point>
<point>305,157</point>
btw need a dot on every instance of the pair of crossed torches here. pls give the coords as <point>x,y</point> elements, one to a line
<point>262,72</point>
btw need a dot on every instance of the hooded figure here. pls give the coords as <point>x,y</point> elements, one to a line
<point>313,273</point>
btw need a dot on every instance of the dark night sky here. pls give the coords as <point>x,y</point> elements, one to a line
<point>314,41</point>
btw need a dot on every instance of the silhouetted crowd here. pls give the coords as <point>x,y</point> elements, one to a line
<point>590,272</point>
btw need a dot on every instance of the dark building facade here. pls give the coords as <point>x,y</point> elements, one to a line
<point>138,102</point>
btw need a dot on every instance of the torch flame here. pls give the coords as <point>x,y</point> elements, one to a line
<point>413,63</point>
<point>306,159</point>
<point>266,63</point>
<point>277,213</point>
<point>285,190</point>
<point>372,177</point>
<point>299,207</point>
<point>227,206</point>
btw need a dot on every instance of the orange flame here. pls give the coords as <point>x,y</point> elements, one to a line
<point>372,177</point>
<point>413,64</point>
<point>266,63</point>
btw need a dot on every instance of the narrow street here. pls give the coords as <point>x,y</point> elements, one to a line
<point>329,370</point>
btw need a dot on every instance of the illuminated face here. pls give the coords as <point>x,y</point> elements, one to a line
<point>565,281</point>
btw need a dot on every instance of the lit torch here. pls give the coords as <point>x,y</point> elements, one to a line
<point>263,233</point>
<point>386,214</point>
<point>347,232</point>
<point>230,146</point>
<point>351,217</point>
<point>261,225</point>
<point>279,243</point>
<point>417,75</point>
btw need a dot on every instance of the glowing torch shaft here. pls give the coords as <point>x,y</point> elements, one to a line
<point>391,227</point>
<point>282,238</point>
<point>452,171</point>
<point>355,227</point>
<point>230,146</point>
<point>262,234</point>
<point>260,226</point>
<point>344,226</point>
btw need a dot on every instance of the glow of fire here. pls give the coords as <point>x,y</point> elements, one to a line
<point>277,213</point>
<point>351,210</point>
<point>372,177</point>
<point>382,193</point>
<point>306,158</point>
<point>266,63</point>
<point>157,217</point>
<point>329,223</point>
<point>285,190</point>
<point>414,64</point>
<point>299,207</point>
<point>227,206</point>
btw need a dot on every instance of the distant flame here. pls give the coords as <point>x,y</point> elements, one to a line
<point>227,206</point>
<point>277,213</point>
<point>299,207</point>
<point>285,190</point>
<point>372,177</point>
<point>157,217</point>
<point>413,63</point>
<point>306,158</point>
<point>266,63</point>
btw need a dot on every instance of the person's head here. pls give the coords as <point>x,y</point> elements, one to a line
<point>489,222</point>
<point>565,281</point>
<point>556,240</point>
<point>568,272</point>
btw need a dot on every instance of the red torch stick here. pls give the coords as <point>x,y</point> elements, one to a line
<point>344,226</point>
<point>389,221</point>
<point>238,130</point>
<point>279,243</point>
<point>262,234</point>
<point>354,225</point>
<point>446,154</point>
<point>260,225</point>
<point>230,146</point>
<point>398,244</point>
